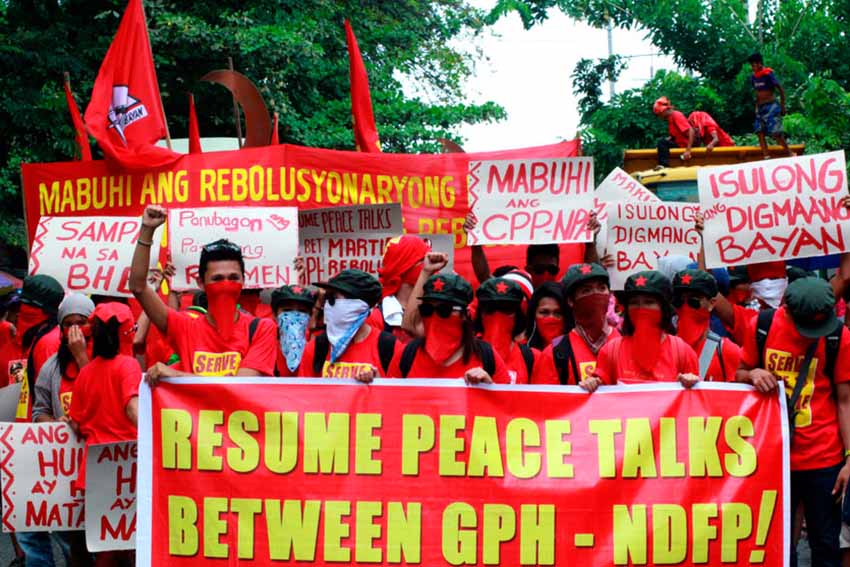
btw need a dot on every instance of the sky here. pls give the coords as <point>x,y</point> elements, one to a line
<point>528,73</point>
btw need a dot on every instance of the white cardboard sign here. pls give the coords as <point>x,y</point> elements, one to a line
<point>111,507</point>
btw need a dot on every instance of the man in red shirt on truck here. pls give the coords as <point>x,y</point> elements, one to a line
<point>682,133</point>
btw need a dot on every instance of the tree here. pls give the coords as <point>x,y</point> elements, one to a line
<point>294,52</point>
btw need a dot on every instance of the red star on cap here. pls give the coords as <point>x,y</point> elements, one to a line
<point>640,281</point>
<point>586,269</point>
<point>686,279</point>
<point>502,287</point>
<point>439,285</point>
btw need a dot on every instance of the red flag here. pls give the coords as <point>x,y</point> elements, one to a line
<point>125,112</point>
<point>365,132</point>
<point>194,133</point>
<point>275,141</point>
<point>79,127</point>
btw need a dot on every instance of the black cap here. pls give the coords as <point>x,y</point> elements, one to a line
<point>649,282</point>
<point>355,284</point>
<point>580,273</point>
<point>297,293</point>
<point>811,304</point>
<point>738,275</point>
<point>695,281</point>
<point>795,273</point>
<point>450,288</point>
<point>42,291</point>
<point>500,290</point>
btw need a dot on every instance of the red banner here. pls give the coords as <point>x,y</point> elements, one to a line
<point>432,188</point>
<point>433,472</point>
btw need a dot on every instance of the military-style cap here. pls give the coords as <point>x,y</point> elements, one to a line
<point>450,288</point>
<point>577,274</point>
<point>811,304</point>
<point>649,282</point>
<point>297,293</point>
<point>42,291</point>
<point>500,290</point>
<point>355,284</point>
<point>695,281</point>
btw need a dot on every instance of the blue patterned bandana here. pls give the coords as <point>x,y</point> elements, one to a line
<point>292,326</point>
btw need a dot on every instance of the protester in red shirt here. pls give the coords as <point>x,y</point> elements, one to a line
<point>547,318</point>
<point>816,376</point>
<point>448,347</point>
<point>682,134</point>
<point>225,341</point>
<point>648,351</point>
<point>292,306</point>
<point>708,131</point>
<point>694,296</point>
<point>571,359</point>
<point>400,268</point>
<point>500,321</point>
<point>350,347</point>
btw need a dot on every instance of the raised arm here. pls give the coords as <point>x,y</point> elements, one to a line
<point>591,254</point>
<point>479,260</point>
<point>412,322</point>
<point>156,310</point>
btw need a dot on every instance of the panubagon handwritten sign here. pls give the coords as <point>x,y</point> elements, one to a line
<point>38,464</point>
<point>87,254</point>
<point>111,497</point>
<point>433,472</point>
<point>531,201</point>
<point>640,234</point>
<point>338,238</point>
<point>775,210</point>
<point>268,237</point>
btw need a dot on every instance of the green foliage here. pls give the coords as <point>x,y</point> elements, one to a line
<point>294,52</point>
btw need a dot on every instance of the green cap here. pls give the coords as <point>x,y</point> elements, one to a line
<point>811,304</point>
<point>738,275</point>
<point>649,282</point>
<point>695,281</point>
<point>450,288</point>
<point>580,273</point>
<point>500,290</point>
<point>42,291</point>
<point>298,293</point>
<point>355,284</point>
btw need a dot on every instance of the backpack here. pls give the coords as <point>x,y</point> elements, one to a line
<point>833,341</point>
<point>717,340</point>
<point>528,358</point>
<point>485,351</point>
<point>563,354</point>
<point>386,349</point>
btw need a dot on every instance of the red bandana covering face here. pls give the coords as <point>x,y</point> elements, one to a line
<point>28,317</point>
<point>550,328</point>
<point>498,331</point>
<point>647,337</point>
<point>222,298</point>
<point>693,324</point>
<point>442,337</point>
<point>590,312</point>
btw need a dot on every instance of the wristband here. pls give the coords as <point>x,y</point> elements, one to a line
<point>144,243</point>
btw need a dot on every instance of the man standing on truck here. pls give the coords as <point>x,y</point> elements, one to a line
<point>769,112</point>
<point>708,131</point>
<point>682,134</point>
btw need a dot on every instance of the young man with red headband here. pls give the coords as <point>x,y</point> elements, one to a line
<point>682,133</point>
<point>225,341</point>
<point>400,268</point>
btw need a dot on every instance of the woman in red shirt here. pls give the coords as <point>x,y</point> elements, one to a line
<point>448,348</point>
<point>546,316</point>
<point>648,351</point>
<point>500,320</point>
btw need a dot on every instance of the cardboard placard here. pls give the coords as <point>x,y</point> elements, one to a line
<point>111,503</point>
<point>338,238</point>
<point>10,397</point>
<point>268,237</point>
<point>619,186</point>
<point>88,254</point>
<point>775,210</point>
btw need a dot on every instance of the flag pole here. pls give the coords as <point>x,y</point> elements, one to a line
<point>236,118</point>
<point>161,105</point>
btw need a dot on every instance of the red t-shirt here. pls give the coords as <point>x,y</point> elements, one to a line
<point>157,348</point>
<point>424,367</point>
<point>356,358</point>
<point>744,324</point>
<point>44,348</point>
<point>678,127</point>
<point>617,365</point>
<point>203,352</point>
<point>545,371</point>
<point>817,440</point>
<point>517,369</point>
<point>101,393</point>
<point>705,125</point>
<point>722,371</point>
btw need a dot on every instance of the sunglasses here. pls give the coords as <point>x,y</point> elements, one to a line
<point>443,310</point>
<point>692,302</point>
<point>506,308</point>
<point>550,269</point>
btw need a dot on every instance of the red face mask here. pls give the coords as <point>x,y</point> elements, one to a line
<point>222,298</point>
<point>249,303</point>
<point>693,324</point>
<point>647,337</point>
<point>442,337</point>
<point>28,317</point>
<point>499,331</point>
<point>549,328</point>
<point>591,312</point>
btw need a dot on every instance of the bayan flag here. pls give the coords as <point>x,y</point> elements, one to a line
<point>125,112</point>
<point>194,133</point>
<point>365,132</point>
<point>79,128</point>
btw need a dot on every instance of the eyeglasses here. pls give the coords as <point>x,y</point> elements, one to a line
<point>220,245</point>
<point>539,270</point>
<point>443,310</point>
<point>691,301</point>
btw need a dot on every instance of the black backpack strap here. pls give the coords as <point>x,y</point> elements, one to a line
<point>488,357</point>
<point>763,323</point>
<point>833,341</point>
<point>528,358</point>
<point>386,349</point>
<point>252,329</point>
<point>320,353</point>
<point>564,355</point>
<point>407,356</point>
<point>720,357</point>
<point>802,378</point>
